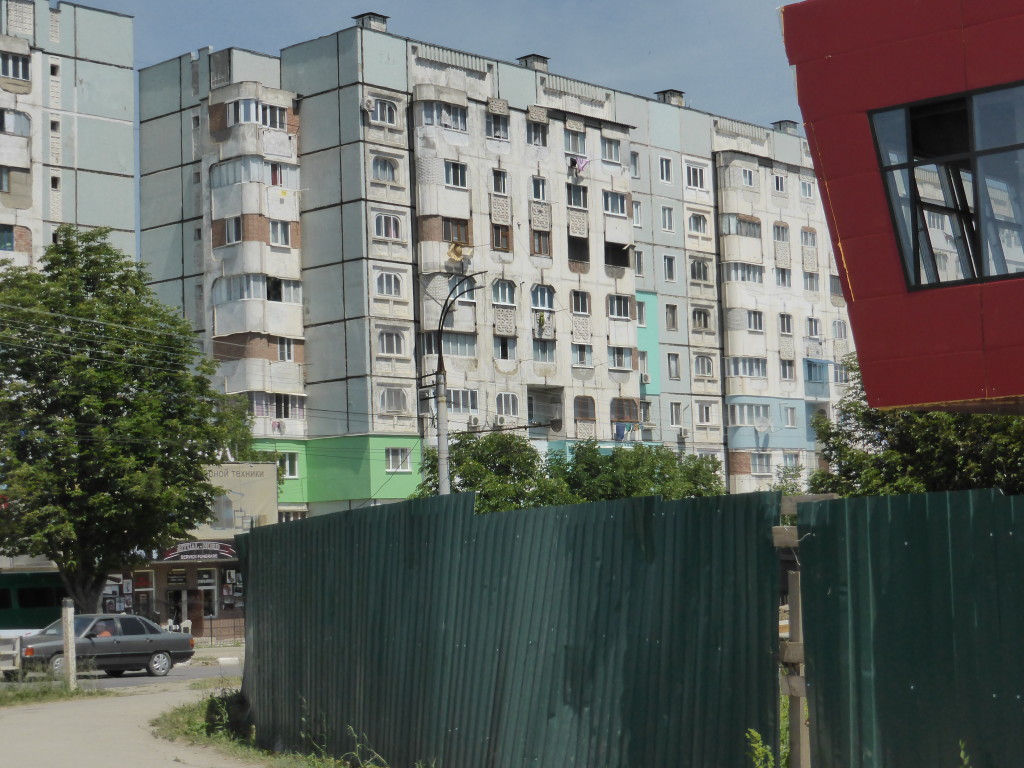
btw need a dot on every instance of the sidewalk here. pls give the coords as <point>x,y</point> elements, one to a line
<point>225,655</point>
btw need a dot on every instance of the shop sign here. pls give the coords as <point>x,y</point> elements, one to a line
<point>200,550</point>
<point>177,578</point>
<point>206,577</point>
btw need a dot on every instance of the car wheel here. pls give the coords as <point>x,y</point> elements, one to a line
<point>57,664</point>
<point>159,664</point>
<point>114,672</point>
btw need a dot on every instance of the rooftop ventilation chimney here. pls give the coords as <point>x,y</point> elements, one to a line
<point>534,61</point>
<point>672,96</point>
<point>785,126</point>
<point>378,22</point>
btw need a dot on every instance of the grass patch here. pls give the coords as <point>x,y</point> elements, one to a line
<point>222,683</point>
<point>40,691</point>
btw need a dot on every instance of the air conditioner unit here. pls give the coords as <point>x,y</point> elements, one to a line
<point>645,378</point>
<point>474,421</point>
<point>499,420</point>
<point>369,103</point>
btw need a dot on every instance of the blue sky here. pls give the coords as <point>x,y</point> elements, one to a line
<point>727,55</point>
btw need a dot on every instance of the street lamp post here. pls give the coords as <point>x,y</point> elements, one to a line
<point>456,292</point>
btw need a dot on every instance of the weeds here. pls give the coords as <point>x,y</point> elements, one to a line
<point>965,759</point>
<point>760,753</point>
<point>42,690</point>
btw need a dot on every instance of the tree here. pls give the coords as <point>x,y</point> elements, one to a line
<point>788,481</point>
<point>107,416</point>
<point>874,452</point>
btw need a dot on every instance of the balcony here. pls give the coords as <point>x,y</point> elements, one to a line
<point>251,257</point>
<point>258,316</point>
<point>257,375</point>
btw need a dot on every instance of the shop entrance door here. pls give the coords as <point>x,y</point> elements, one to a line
<point>186,604</point>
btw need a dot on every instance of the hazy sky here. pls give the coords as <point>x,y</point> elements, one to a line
<point>727,55</point>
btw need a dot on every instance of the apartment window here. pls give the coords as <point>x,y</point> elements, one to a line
<point>500,237</point>
<point>747,414</point>
<point>389,284</point>
<point>637,215</point>
<point>504,292</point>
<point>455,344</point>
<point>462,401</point>
<point>840,374</point>
<point>787,370</point>
<point>618,306</point>
<point>233,230</point>
<point>695,176</point>
<point>285,350</point>
<point>543,297</point>
<point>641,361</point>
<point>391,343</point>
<point>811,281</point>
<point>397,459</point>
<point>786,324</point>
<point>55,183</point>
<point>464,287</point>
<point>641,314</point>
<point>575,196</point>
<point>18,123</point>
<point>383,169</point>
<point>620,358</point>
<point>507,404</point>
<point>273,117</point>
<point>537,134</point>
<point>543,351</point>
<point>703,366</point>
<point>839,329</point>
<point>15,66</point>
<point>755,320</point>
<point>835,286</point>
<point>455,174</point>
<point>614,203</point>
<point>738,272</point>
<point>55,126</point>
<point>813,327</point>
<point>675,414</point>
<point>665,169</point>
<point>634,164</point>
<point>779,181</point>
<point>288,463</point>
<point>580,302</point>
<point>638,263</point>
<point>806,189</point>
<point>697,224</point>
<point>761,463</point>
<point>701,319</point>
<point>540,243</point>
<point>584,409</point>
<point>289,406</point>
<point>791,459</point>
<point>668,218</point>
<point>449,116</point>
<point>744,226</point>
<point>5,179</point>
<point>747,177</point>
<point>671,317</point>
<point>505,347</point>
<point>670,267</point>
<point>280,233</point>
<point>582,355</point>
<point>497,127</point>
<point>673,365</point>
<point>197,234</point>
<point>6,237</point>
<point>243,111</point>
<point>384,112</point>
<point>388,226</point>
<point>705,413</point>
<point>539,188</point>
<point>575,142</point>
<point>815,372</point>
<point>455,230</point>
<point>610,150</point>
<point>393,400</point>
<point>780,233</point>
<point>579,248</point>
<point>750,367</point>
<point>700,271</point>
<point>808,238</point>
<point>784,277</point>
<point>789,415</point>
<point>499,181</point>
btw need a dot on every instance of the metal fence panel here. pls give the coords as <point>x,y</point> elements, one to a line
<point>620,634</point>
<point>913,619</point>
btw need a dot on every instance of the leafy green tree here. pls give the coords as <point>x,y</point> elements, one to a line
<point>874,452</point>
<point>107,416</point>
<point>788,481</point>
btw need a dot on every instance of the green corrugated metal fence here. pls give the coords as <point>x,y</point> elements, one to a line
<point>628,634</point>
<point>914,629</point>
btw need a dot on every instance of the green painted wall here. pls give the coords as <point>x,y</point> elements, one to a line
<point>647,341</point>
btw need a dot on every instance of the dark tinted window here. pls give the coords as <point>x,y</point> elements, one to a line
<point>37,597</point>
<point>131,626</point>
<point>5,598</point>
<point>151,628</point>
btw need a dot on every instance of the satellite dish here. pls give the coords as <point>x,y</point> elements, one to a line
<point>762,425</point>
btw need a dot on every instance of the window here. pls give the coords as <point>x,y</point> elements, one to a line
<point>665,169</point>
<point>806,189</point>
<point>637,215</point>
<point>811,281</point>
<point>779,182</point>
<point>813,327</point>
<point>449,116</point>
<point>700,271</point>
<point>614,203</point>
<point>580,302</point>
<point>537,134</point>
<point>497,126</point>
<point>641,361</point>
<point>697,224</point>
<point>839,329</point>
<point>463,287</point>
<point>285,350</point>
<point>397,459</point>
<point>575,196</point>
<point>761,463</point>
<point>462,401</point>
<point>815,372</point>
<point>645,413</point>
<point>388,226</point>
<point>286,406</point>
<point>695,176</point>
<point>634,164</point>
<point>789,415</point>
<point>504,292</point>
<point>539,188</point>
<point>641,314</point>
<point>499,237</point>
<point>835,285</point>
<point>791,459</point>
<point>582,355</point>
<point>543,351</point>
<point>274,117</point>
<point>747,414</point>
<point>455,231</point>
<point>499,181</point>
<point>393,400</point>
<point>543,297</point>
<point>701,319</point>
<point>671,317</point>
<point>738,272</point>
<point>755,320</point>
<point>668,218</point>
<point>620,358</point>
<point>670,267</point>
<point>618,306</point>
<point>675,414</point>
<point>540,243</point>
<point>624,409</point>
<point>575,142</point>
<point>705,413</point>
<point>786,325</point>
<point>808,238</point>
<point>750,367</point>
<point>280,233</point>
<point>5,179</point>
<point>13,65</point>
<point>638,262</point>
<point>384,111</point>
<point>780,233</point>
<point>18,123</point>
<point>579,248</point>
<point>233,230</point>
<point>507,404</point>
<point>55,183</point>
<point>391,343</point>
<point>673,365</point>
<point>384,169</point>
<point>288,463</point>
<point>784,277</point>
<point>6,237</point>
<point>744,226</point>
<point>455,344</point>
<point>455,174</point>
<point>747,177</point>
<point>610,150</point>
<point>389,284</point>
<point>787,370</point>
<point>583,408</point>
<point>703,366</point>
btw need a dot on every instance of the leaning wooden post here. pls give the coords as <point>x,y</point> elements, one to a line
<point>67,614</point>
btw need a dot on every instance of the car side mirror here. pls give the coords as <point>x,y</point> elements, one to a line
<point>90,635</point>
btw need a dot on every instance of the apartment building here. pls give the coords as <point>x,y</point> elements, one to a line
<point>312,212</point>
<point>67,111</point>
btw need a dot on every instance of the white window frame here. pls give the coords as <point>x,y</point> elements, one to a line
<point>503,293</point>
<point>618,306</point>
<point>499,181</point>
<point>668,262</point>
<point>580,302</point>
<point>760,463</point>
<point>506,404</point>
<point>786,324</point>
<point>387,226</point>
<point>393,400</point>
<point>288,463</point>
<point>779,183</point>
<point>536,134</point>
<point>285,349</point>
<point>755,320</point>
<point>620,358</point>
<point>452,117</point>
<point>389,283</point>
<point>576,196</point>
<point>614,203</point>
<point>675,414</point>
<point>456,174</point>
<point>390,343</point>
<point>807,189</point>
<point>747,177</point>
<point>233,230</point>
<point>673,366</point>
<point>575,142</point>
<point>704,366</point>
<point>787,370</point>
<point>637,214</point>
<point>695,176</point>
<point>697,223</point>
<point>665,169</point>
<point>610,150</point>
<point>784,277</point>
<point>668,218</point>
<point>634,164</point>
<point>539,188</point>
<point>398,460</point>
<point>280,233</point>
<point>384,112</point>
<point>388,176</point>
<point>582,355</point>
<point>497,127</point>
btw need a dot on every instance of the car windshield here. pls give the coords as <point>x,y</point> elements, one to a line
<point>82,623</point>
